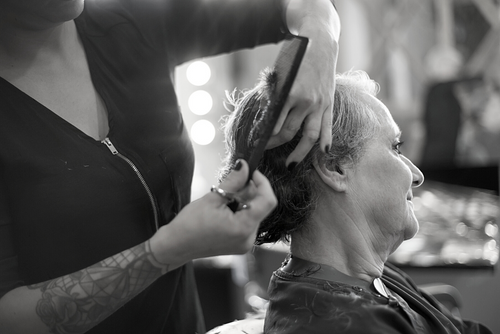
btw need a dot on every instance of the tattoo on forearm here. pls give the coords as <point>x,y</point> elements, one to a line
<point>79,301</point>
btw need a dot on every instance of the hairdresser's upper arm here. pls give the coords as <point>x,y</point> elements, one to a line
<point>197,28</point>
<point>189,29</point>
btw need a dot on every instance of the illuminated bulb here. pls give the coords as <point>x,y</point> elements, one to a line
<point>491,229</point>
<point>198,73</point>
<point>200,102</point>
<point>202,132</point>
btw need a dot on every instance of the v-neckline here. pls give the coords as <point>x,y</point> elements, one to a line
<point>49,113</point>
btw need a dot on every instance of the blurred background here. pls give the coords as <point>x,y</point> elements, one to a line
<point>438,66</point>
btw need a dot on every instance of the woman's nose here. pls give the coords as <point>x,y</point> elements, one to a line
<point>418,176</point>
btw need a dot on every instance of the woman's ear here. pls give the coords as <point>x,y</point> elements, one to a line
<point>334,178</point>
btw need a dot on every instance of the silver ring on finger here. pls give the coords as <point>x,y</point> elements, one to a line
<point>233,203</point>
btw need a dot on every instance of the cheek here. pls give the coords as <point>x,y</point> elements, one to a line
<point>391,179</point>
<point>400,175</point>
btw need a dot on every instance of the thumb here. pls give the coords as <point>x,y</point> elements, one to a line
<point>237,179</point>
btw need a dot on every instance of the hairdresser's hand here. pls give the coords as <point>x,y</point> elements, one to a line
<point>312,95</point>
<point>207,227</point>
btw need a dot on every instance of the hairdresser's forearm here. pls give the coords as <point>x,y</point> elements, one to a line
<point>74,303</point>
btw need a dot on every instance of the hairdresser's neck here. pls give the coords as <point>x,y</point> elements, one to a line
<point>341,243</point>
<point>27,48</point>
<point>29,33</point>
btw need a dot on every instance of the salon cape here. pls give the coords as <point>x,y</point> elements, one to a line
<point>307,297</point>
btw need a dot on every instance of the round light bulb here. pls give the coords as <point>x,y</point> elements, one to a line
<point>198,73</point>
<point>200,102</point>
<point>202,132</point>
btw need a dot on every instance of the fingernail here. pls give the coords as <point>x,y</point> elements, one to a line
<point>327,148</point>
<point>291,166</point>
<point>238,165</point>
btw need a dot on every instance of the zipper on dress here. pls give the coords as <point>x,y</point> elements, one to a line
<point>114,151</point>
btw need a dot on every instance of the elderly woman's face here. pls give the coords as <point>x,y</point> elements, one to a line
<point>383,181</point>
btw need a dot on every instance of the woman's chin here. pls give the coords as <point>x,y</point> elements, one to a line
<point>412,229</point>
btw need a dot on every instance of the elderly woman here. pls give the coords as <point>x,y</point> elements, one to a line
<point>344,213</point>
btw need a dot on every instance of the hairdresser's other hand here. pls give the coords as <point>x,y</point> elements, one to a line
<point>207,227</point>
<point>311,98</point>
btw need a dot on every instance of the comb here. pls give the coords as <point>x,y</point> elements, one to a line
<point>286,67</point>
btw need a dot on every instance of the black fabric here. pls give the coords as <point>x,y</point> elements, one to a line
<point>66,201</point>
<point>307,297</point>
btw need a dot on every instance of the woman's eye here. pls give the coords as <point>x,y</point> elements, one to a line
<point>397,146</point>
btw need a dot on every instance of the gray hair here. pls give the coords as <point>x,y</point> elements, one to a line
<point>354,122</point>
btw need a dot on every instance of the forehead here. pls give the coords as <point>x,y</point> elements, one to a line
<point>388,126</point>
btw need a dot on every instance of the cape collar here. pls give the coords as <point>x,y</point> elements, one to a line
<point>302,268</point>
